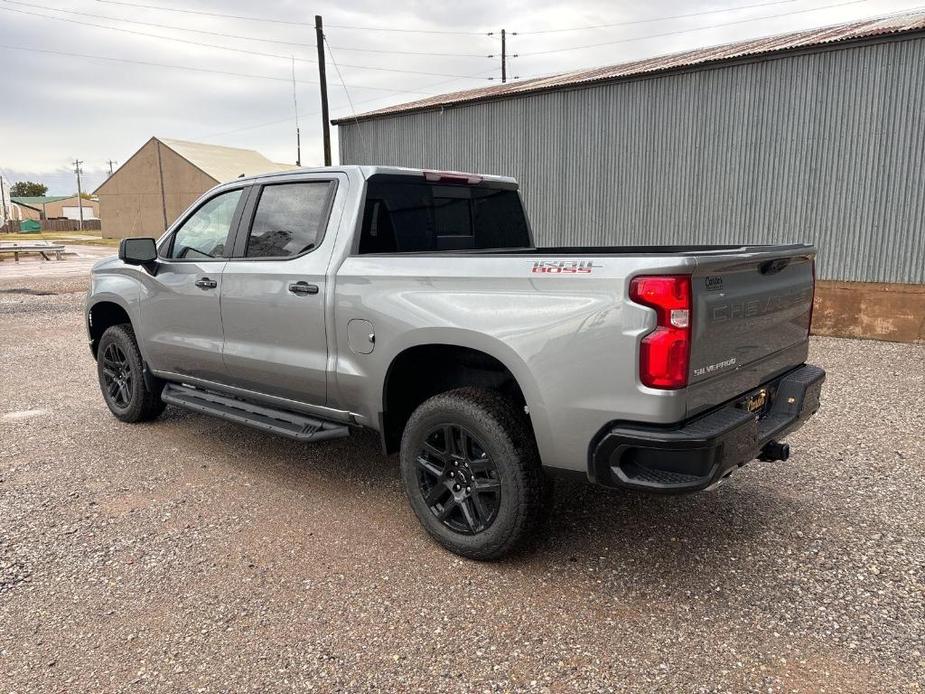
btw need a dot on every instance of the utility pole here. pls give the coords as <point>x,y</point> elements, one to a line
<point>2,202</point>
<point>326,126</point>
<point>295,103</point>
<point>80,203</point>
<point>111,162</point>
<point>504,55</point>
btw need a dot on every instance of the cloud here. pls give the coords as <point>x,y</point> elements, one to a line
<point>60,182</point>
<point>58,108</point>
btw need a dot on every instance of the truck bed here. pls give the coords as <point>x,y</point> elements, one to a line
<point>685,250</point>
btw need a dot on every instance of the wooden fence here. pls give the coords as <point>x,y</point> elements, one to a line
<point>13,226</point>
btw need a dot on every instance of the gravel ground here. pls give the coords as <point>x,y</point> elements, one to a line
<point>193,554</point>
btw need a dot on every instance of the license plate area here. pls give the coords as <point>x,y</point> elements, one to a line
<point>758,402</point>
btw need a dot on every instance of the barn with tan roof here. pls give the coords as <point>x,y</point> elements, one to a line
<point>157,183</point>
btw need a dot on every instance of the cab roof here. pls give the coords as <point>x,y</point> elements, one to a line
<point>434,175</point>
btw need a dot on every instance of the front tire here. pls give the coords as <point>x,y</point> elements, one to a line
<point>120,369</point>
<point>471,472</point>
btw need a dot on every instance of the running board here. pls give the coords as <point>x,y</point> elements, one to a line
<point>290,424</point>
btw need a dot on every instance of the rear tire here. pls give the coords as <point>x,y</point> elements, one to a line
<point>471,472</point>
<point>120,369</point>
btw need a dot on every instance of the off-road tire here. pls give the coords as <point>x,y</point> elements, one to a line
<point>507,440</point>
<point>142,403</point>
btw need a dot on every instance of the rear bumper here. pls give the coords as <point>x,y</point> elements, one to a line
<point>702,451</point>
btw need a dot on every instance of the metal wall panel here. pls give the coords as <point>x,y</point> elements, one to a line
<point>825,147</point>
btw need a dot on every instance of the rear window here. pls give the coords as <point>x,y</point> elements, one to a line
<point>407,216</point>
<point>289,219</point>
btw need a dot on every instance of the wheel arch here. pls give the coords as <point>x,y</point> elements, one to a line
<point>431,366</point>
<point>102,314</point>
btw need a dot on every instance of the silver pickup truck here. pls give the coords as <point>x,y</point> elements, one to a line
<point>414,303</point>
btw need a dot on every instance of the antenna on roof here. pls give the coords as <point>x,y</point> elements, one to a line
<point>295,102</point>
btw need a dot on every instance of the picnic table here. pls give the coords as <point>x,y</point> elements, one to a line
<point>43,248</point>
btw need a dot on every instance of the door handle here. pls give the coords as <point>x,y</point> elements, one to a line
<point>206,283</point>
<point>303,288</point>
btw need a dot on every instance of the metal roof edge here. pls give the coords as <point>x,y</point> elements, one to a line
<point>498,93</point>
<point>160,141</point>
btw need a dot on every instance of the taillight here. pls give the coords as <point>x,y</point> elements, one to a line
<point>664,354</point>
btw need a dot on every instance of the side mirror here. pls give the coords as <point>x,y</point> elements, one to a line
<point>138,251</point>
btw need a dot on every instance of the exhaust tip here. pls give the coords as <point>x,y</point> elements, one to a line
<point>775,450</point>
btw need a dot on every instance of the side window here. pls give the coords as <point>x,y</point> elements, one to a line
<point>205,234</point>
<point>289,219</point>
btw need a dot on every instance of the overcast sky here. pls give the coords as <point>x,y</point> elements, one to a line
<point>60,107</point>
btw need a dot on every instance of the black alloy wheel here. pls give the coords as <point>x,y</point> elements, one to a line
<point>117,375</point>
<point>129,394</point>
<point>459,481</point>
<point>471,472</point>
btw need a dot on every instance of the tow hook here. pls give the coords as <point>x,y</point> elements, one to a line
<point>775,450</point>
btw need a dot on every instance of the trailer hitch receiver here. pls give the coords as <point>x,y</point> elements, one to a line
<point>775,450</point>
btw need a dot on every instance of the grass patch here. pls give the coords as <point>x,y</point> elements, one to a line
<point>71,237</point>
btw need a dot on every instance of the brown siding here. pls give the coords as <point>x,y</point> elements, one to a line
<point>56,209</point>
<point>20,212</point>
<point>183,183</point>
<point>894,312</point>
<point>130,200</point>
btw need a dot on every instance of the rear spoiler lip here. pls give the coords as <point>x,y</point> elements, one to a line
<point>750,255</point>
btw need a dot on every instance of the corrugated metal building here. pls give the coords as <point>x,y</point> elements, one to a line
<point>814,136</point>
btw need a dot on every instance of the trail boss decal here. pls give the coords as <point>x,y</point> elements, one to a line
<point>564,267</point>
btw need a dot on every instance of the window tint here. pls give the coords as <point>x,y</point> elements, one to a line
<point>452,217</point>
<point>289,220</point>
<point>205,234</point>
<point>407,215</point>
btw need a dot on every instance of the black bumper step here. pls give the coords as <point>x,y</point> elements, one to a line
<point>283,422</point>
<point>700,452</point>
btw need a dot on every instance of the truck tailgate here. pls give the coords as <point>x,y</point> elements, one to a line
<point>750,320</point>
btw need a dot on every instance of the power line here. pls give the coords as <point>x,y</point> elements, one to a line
<point>657,19</point>
<point>315,113</point>
<point>221,34</point>
<point>482,75</point>
<point>242,37</point>
<point>251,18</point>
<point>346,91</point>
<point>216,46</point>
<point>148,63</point>
<point>205,14</point>
<point>193,69</point>
<point>688,31</point>
<point>378,50</point>
<point>143,33</point>
<point>408,31</point>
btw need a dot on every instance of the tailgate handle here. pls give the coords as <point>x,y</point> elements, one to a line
<point>772,267</point>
